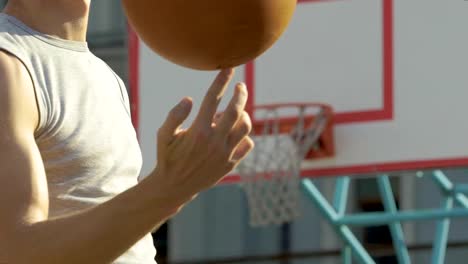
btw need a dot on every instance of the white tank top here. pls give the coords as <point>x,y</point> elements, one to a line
<point>85,135</point>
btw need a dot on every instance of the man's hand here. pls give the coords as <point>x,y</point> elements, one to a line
<point>195,159</point>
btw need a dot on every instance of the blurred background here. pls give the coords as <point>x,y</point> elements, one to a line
<point>214,228</point>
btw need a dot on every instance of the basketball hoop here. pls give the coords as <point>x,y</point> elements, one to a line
<point>270,176</point>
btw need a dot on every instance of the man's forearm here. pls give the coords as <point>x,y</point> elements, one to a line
<point>98,235</point>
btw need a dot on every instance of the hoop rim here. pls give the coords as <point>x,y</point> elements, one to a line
<point>286,123</point>
<point>295,104</point>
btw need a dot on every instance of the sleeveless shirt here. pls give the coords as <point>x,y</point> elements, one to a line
<point>85,136</point>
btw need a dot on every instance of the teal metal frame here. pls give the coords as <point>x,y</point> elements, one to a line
<point>335,214</point>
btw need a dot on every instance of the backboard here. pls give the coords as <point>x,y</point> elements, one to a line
<point>395,72</point>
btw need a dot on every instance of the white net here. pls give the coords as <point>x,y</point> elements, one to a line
<point>270,176</point>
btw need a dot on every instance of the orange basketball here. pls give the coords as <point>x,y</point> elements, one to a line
<point>209,34</point>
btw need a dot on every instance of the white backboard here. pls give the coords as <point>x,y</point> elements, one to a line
<point>395,72</point>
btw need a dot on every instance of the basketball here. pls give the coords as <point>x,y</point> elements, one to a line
<point>209,34</point>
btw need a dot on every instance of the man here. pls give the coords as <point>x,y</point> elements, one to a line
<point>69,158</point>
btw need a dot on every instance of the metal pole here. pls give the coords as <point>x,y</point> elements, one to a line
<point>327,210</point>
<point>346,255</point>
<point>341,195</point>
<point>384,218</point>
<point>441,238</point>
<point>449,188</point>
<point>340,203</point>
<point>396,231</point>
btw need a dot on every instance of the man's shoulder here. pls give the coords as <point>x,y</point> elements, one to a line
<point>11,68</point>
<point>17,96</point>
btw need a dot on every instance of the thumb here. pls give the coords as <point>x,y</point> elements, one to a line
<point>174,120</point>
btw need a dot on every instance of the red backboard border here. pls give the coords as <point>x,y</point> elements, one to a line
<point>369,115</point>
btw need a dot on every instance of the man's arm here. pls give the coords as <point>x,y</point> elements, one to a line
<point>188,161</point>
<point>98,235</point>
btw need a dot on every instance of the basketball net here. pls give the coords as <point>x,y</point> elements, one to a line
<point>270,176</point>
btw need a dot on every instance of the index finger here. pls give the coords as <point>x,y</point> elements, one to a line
<point>213,98</point>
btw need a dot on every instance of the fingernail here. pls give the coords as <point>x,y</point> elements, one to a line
<point>185,103</point>
<point>229,71</point>
<point>242,87</point>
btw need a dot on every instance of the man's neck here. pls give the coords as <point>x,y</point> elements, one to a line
<point>61,18</point>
